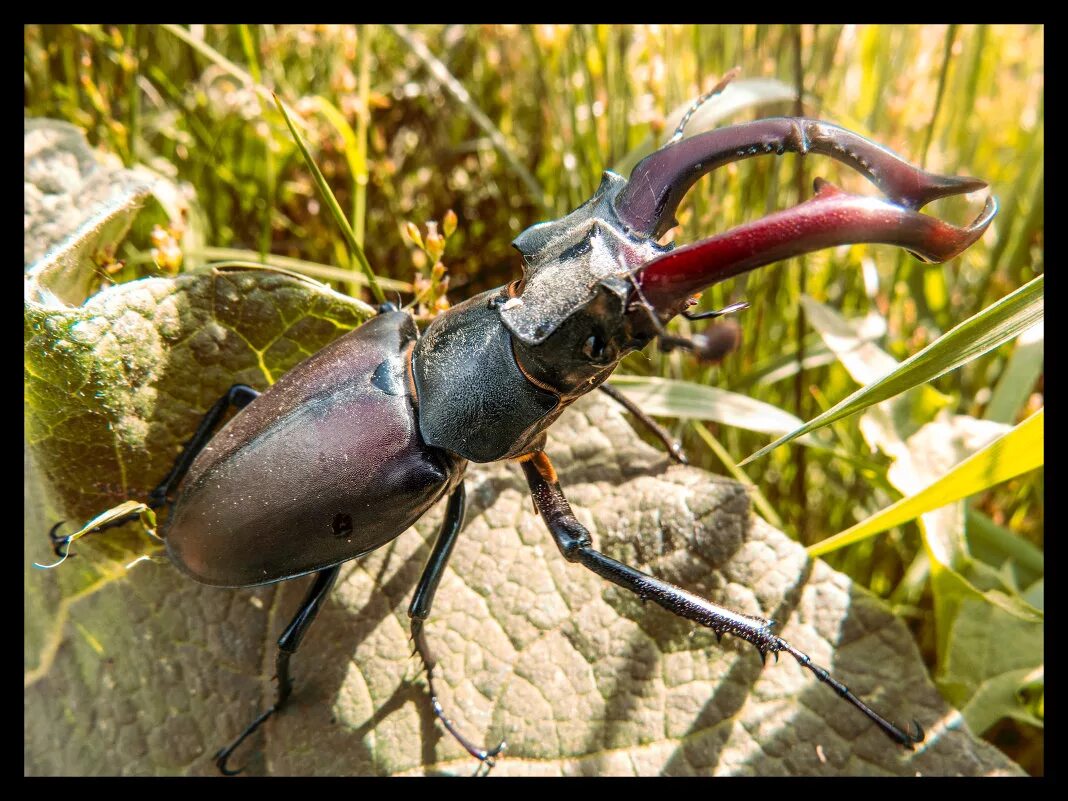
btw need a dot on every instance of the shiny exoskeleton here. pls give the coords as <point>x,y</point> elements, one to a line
<point>352,446</point>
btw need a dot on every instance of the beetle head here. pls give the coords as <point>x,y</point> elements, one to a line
<point>596,284</point>
<point>567,315</point>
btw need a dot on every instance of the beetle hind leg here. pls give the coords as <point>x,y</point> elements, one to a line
<point>419,610</point>
<point>288,644</point>
<point>239,396</point>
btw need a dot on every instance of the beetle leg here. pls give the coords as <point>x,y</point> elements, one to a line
<point>288,644</point>
<point>419,610</point>
<point>709,315</point>
<point>60,543</point>
<point>674,447</point>
<point>239,396</point>
<point>575,544</point>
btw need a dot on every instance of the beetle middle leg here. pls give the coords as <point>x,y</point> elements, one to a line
<point>288,644</point>
<point>419,610</point>
<point>575,543</point>
<point>674,447</point>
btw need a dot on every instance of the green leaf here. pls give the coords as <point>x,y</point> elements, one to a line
<point>1014,453</point>
<point>995,325</point>
<point>995,544</point>
<point>1005,695</point>
<point>78,208</point>
<point>984,643</point>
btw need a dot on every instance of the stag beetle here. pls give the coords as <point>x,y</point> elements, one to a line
<point>389,414</point>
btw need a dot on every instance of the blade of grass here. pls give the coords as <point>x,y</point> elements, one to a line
<point>357,164</point>
<point>1018,451</point>
<point>363,121</point>
<point>220,60</point>
<point>1019,377</point>
<point>667,397</point>
<point>134,92</point>
<point>759,501</point>
<point>947,56</point>
<point>335,208</point>
<point>268,158</point>
<point>996,325</point>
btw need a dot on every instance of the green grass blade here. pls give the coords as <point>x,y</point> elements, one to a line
<point>335,208</point>
<point>666,397</point>
<point>1018,451</point>
<point>996,325</point>
<point>1018,378</point>
<point>356,160</point>
<point>360,176</point>
<point>217,58</point>
<point>311,268</point>
<point>463,97</point>
<point>759,501</point>
<point>270,174</point>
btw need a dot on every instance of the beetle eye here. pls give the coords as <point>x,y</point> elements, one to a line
<point>593,349</point>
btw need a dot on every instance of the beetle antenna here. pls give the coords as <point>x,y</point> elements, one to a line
<point>715,90</point>
<point>711,347</point>
<point>709,315</point>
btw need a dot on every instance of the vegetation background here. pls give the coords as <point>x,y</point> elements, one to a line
<point>510,125</point>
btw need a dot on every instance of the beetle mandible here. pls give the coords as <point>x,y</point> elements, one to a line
<point>487,378</point>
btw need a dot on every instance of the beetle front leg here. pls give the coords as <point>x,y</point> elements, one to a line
<point>419,610</point>
<point>575,544</point>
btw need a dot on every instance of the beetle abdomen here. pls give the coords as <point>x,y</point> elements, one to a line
<point>326,465</point>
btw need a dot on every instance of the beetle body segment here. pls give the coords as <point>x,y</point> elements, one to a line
<point>326,465</point>
<point>474,399</point>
